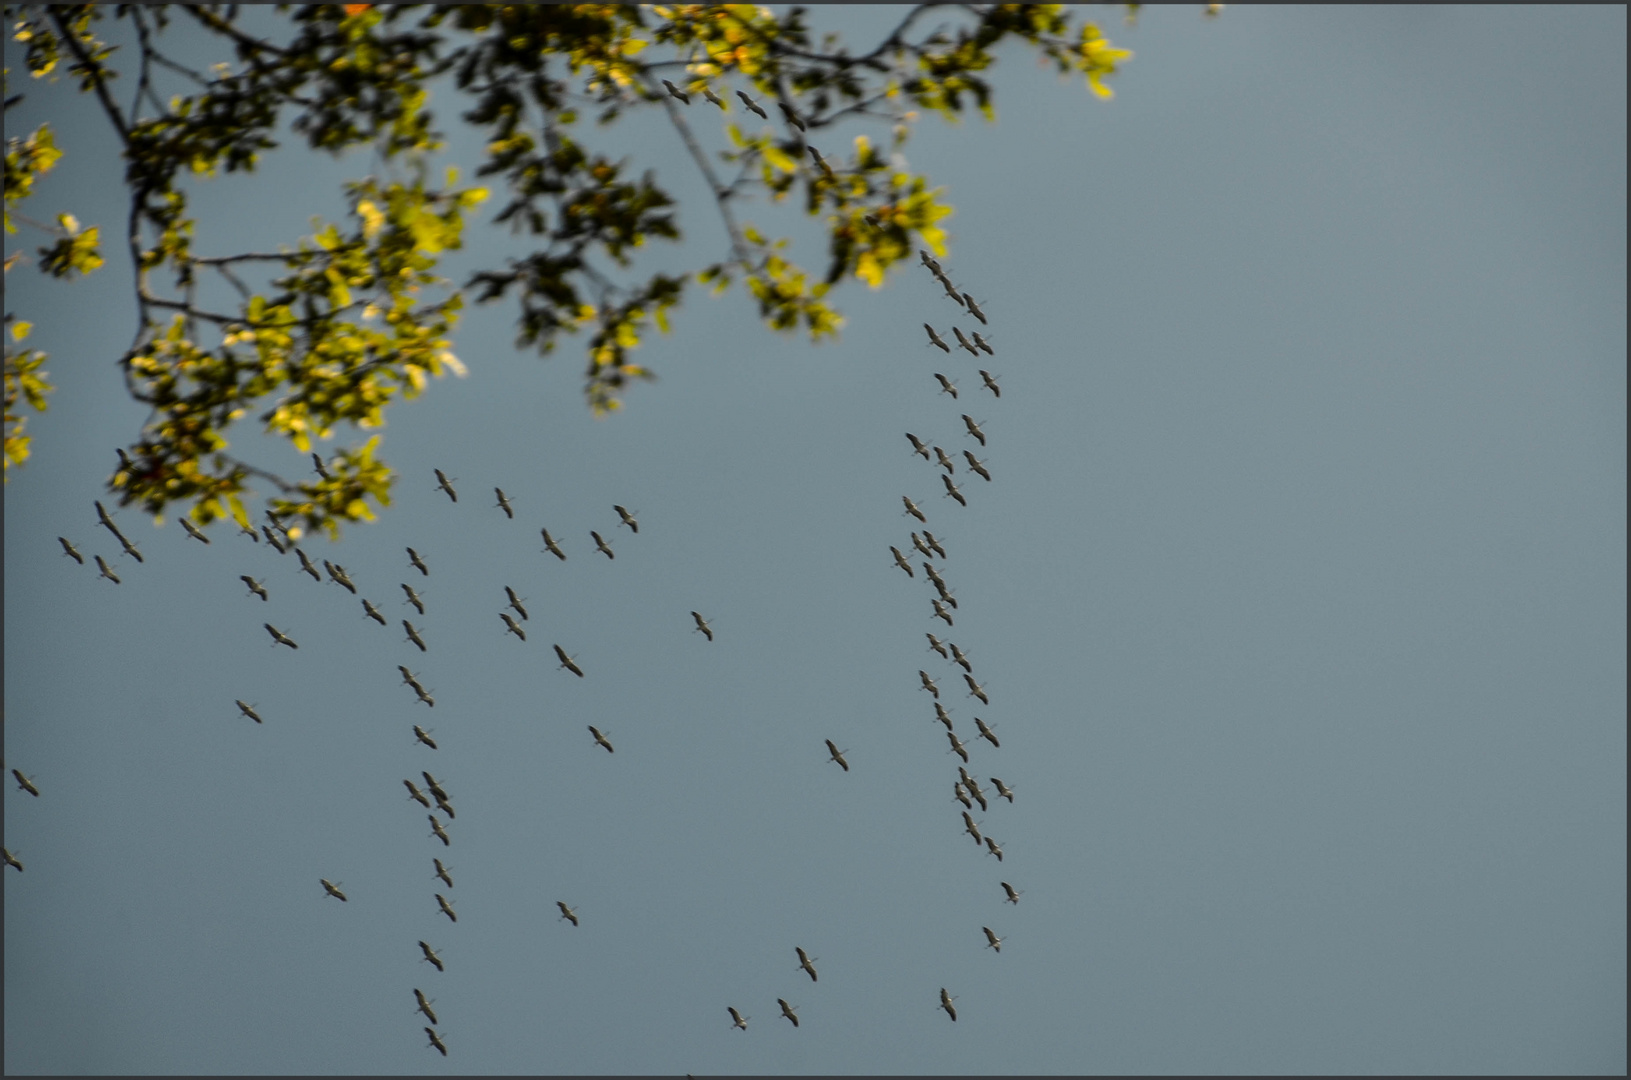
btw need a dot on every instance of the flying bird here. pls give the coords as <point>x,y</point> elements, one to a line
<point>373,613</point>
<point>25,784</point>
<point>70,550</point>
<point>917,445</point>
<point>446,485</point>
<point>424,695</point>
<point>1013,894</point>
<point>255,587</point>
<point>960,794</point>
<point>974,309</point>
<point>973,428</point>
<point>567,913</point>
<point>442,872</point>
<point>430,954</point>
<point>307,568</point>
<point>945,1003</point>
<point>11,860</point>
<point>416,795</point>
<point>424,1006</point>
<point>627,519</point>
<point>952,490</point>
<point>436,1041</point>
<point>932,542</point>
<point>515,602</point>
<point>752,105</point>
<point>806,963</point>
<point>961,658</point>
<point>946,385</point>
<point>788,1011</point>
<point>945,462</point>
<point>940,612</point>
<point>600,740</point>
<point>504,503</point>
<point>447,908</point>
<point>995,848</point>
<point>567,662</point>
<point>934,339</point>
<point>963,342</point>
<point>676,92</point>
<point>976,690</point>
<point>192,531</point>
<point>332,889</point>
<point>413,635</point>
<point>271,538</point>
<point>837,755</point>
<point>248,711</point>
<point>971,828</point>
<point>951,290</point>
<point>928,683</point>
<point>985,732</point>
<point>992,941</point>
<point>421,735</point>
<point>279,637</point>
<point>322,471</point>
<point>792,117</point>
<point>941,715</point>
<point>417,563</point>
<point>341,578</point>
<point>1003,789</point>
<point>711,96</point>
<point>107,571</point>
<point>957,746</point>
<point>737,1019</point>
<point>552,547</point>
<point>985,347</point>
<point>973,790</point>
<point>900,561</point>
<point>911,508</point>
<point>821,163</point>
<point>917,542</point>
<point>435,788</point>
<point>437,831</point>
<point>601,545</point>
<point>702,625</point>
<point>934,643</point>
<point>976,465</point>
<point>928,261</point>
<point>511,626</point>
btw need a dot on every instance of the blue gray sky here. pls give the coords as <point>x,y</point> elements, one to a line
<point>1298,593</point>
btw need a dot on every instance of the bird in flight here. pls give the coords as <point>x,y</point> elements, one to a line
<point>702,625</point>
<point>249,711</point>
<point>567,662</point>
<point>552,547</point>
<point>900,561</point>
<point>25,784</point>
<point>985,732</point>
<point>443,483</point>
<point>917,446</point>
<point>413,635</point>
<point>806,963</point>
<point>416,795</point>
<point>676,92</point>
<point>945,1003</point>
<point>279,637</point>
<point>753,105</point>
<point>601,545</point>
<point>627,519</point>
<point>788,1011</point>
<point>69,549</point>
<point>307,568</point>
<point>567,913</point>
<point>992,941</point>
<point>192,531</point>
<point>515,602</point>
<point>1003,789</point>
<point>600,740</point>
<point>107,571</point>
<point>430,954</point>
<point>372,612</point>
<point>973,428</point>
<point>1013,894</point>
<point>417,563</point>
<point>995,848</point>
<point>332,889</point>
<point>934,339</point>
<point>511,626</point>
<point>837,755</point>
<point>421,735</point>
<point>737,1019</point>
<point>424,1006</point>
<point>254,586</point>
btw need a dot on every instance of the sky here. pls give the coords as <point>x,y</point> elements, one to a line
<point>1298,593</point>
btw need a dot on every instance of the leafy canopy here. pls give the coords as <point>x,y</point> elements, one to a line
<point>337,326</point>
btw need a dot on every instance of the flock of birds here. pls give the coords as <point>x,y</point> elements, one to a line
<point>434,797</point>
